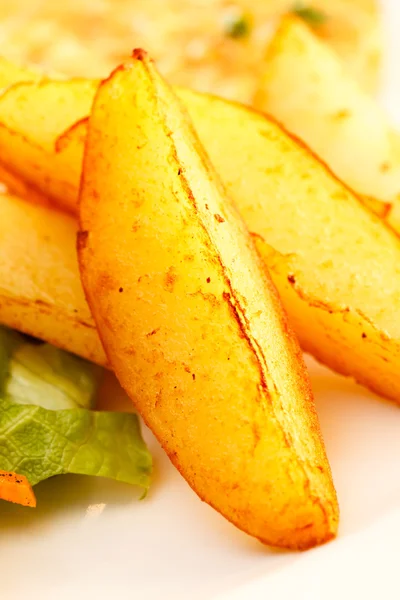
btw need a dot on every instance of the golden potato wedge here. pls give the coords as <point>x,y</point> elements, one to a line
<point>308,89</point>
<point>40,290</point>
<point>191,324</point>
<point>298,211</point>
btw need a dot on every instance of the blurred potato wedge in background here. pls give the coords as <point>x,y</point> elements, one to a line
<point>40,292</point>
<point>310,92</point>
<point>353,29</point>
<point>336,265</point>
<point>191,322</point>
<point>211,45</point>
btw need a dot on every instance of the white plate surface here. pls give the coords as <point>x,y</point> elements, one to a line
<point>93,539</point>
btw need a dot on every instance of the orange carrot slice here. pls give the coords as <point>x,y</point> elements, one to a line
<point>16,488</point>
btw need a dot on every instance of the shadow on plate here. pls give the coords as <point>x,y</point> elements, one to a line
<point>66,494</point>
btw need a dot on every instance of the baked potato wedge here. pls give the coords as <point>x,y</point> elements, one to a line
<point>191,323</point>
<point>334,263</point>
<point>40,291</point>
<point>309,90</point>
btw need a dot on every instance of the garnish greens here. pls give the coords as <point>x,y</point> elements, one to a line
<point>313,16</point>
<point>46,425</point>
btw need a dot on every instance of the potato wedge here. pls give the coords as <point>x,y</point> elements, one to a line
<point>315,236</point>
<point>308,89</point>
<point>191,324</point>
<point>40,291</point>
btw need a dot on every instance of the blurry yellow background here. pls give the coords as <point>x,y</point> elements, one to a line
<point>210,45</point>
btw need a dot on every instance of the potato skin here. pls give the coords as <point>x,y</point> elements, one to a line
<point>191,324</point>
<point>40,292</point>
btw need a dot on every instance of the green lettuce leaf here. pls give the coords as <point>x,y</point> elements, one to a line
<point>9,341</point>
<point>40,443</point>
<point>46,428</point>
<point>40,374</point>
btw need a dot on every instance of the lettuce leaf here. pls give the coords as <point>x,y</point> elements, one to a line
<point>46,428</point>
<point>9,341</point>
<point>40,374</point>
<point>40,443</point>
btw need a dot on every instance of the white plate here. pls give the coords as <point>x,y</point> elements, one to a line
<point>93,539</point>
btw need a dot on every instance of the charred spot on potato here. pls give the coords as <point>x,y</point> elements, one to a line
<point>152,332</point>
<point>208,279</point>
<point>363,335</point>
<point>208,297</point>
<point>121,289</point>
<point>170,279</point>
<point>179,171</point>
<point>218,218</point>
<point>81,240</point>
<point>139,54</point>
<point>291,279</point>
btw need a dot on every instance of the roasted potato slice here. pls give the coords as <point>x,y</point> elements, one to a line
<point>309,90</point>
<point>336,265</point>
<point>192,326</point>
<point>40,290</point>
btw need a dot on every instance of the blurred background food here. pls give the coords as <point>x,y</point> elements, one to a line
<point>217,46</point>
